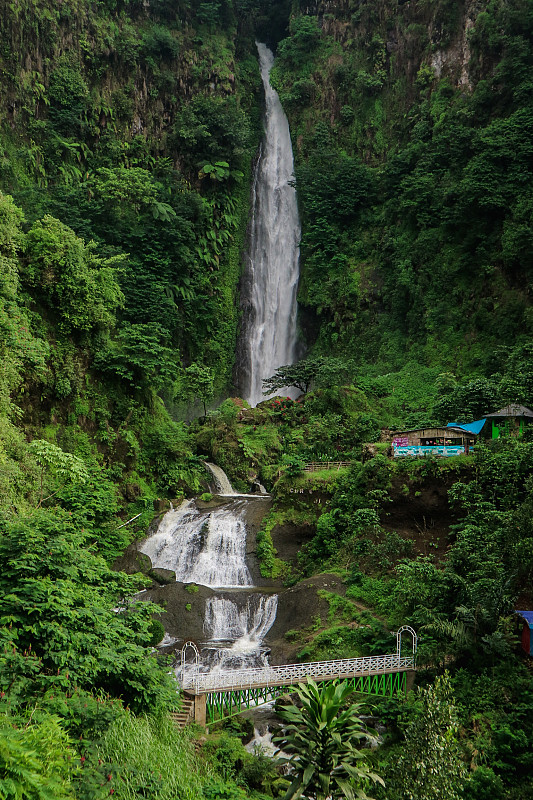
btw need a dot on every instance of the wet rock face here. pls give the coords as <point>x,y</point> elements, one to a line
<point>288,539</point>
<point>184,606</point>
<point>298,608</point>
<point>162,576</point>
<point>132,561</point>
<point>253,516</point>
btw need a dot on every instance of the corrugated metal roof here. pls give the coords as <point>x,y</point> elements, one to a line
<point>527,615</point>
<point>512,410</point>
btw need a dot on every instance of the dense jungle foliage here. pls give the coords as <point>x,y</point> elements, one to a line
<point>412,126</point>
<point>128,132</point>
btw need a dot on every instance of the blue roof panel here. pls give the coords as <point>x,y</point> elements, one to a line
<point>527,615</point>
<point>470,427</point>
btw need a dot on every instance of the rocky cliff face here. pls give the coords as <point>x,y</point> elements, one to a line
<point>130,66</point>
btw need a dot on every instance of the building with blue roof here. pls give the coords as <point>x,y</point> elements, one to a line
<point>459,438</point>
<point>470,427</point>
<point>527,631</point>
<point>445,441</point>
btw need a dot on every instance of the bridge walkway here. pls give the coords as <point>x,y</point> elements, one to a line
<point>221,694</point>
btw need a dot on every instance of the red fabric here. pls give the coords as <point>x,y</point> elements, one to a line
<point>526,639</point>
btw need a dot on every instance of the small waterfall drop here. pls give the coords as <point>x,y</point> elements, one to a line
<point>268,337</point>
<point>202,547</point>
<point>221,480</point>
<point>239,630</point>
<point>225,620</point>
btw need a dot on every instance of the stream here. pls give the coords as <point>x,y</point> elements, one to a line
<point>207,547</point>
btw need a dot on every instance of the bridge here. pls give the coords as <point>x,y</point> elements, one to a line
<point>218,695</point>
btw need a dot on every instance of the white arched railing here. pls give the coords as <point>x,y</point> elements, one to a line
<point>190,646</point>
<point>290,674</point>
<point>406,629</point>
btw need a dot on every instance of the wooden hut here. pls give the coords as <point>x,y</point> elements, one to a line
<point>509,420</point>
<point>443,441</point>
<point>527,631</point>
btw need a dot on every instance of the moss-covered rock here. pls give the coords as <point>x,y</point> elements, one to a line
<point>162,576</point>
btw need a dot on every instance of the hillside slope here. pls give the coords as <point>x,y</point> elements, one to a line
<point>412,125</point>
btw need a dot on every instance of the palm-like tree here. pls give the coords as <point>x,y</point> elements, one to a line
<point>323,735</point>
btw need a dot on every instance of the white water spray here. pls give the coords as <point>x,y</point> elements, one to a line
<point>222,482</point>
<point>269,334</point>
<point>202,547</point>
<point>247,624</point>
<point>236,632</point>
<point>208,547</point>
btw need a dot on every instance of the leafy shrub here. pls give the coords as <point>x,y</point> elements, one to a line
<point>76,597</point>
<point>70,278</point>
<point>140,356</point>
<point>305,35</point>
<point>347,115</point>
<point>159,43</point>
<point>34,760</point>
<point>156,631</point>
<point>68,94</point>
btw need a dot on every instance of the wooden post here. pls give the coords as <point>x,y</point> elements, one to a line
<point>409,680</point>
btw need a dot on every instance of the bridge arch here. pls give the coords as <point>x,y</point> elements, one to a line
<point>411,632</point>
<point>196,655</point>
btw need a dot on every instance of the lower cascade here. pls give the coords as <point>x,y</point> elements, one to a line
<point>207,546</point>
<point>225,620</point>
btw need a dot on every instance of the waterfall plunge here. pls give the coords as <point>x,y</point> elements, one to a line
<point>221,479</point>
<point>225,620</point>
<point>269,335</point>
<point>243,628</point>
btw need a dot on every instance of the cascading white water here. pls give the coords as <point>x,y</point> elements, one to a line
<point>269,335</point>
<point>239,630</point>
<point>202,547</point>
<point>208,547</point>
<point>221,480</point>
<point>224,619</point>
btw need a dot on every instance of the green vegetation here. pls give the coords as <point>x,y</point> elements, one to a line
<point>412,190</point>
<point>152,756</point>
<point>127,138</point>
<point>323,735</point>
<point>433,769</point>
<point>123,207</point>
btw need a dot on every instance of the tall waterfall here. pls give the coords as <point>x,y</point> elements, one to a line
<point>269,335</point>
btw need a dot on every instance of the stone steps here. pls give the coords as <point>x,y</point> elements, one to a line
<point>181,718</point>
